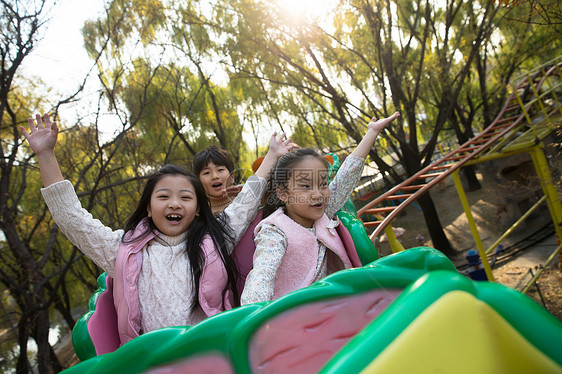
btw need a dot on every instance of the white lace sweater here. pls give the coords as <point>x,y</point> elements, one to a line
<point>165,287</point>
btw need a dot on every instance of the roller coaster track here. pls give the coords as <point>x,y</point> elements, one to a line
<point>528,103</point>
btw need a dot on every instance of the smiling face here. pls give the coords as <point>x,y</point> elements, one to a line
<point>173,205</point>
<point>215,179</point>
<point>306,193</point>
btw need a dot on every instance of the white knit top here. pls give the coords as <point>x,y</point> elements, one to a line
<point>165,286</point>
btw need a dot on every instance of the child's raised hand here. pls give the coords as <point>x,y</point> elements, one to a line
<point>379,125</point>
<point>373,130</point>
<point>42,141</point>
<point>278,146</point>
<point>233,191</point>
<point>42,137</point>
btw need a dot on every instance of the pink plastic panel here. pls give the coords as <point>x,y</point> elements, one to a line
<point>102,325</point>
<point>302,340</point>
<point>210,364</point>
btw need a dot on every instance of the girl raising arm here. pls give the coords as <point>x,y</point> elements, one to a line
<point>297,242</point>
<point>172,238</point>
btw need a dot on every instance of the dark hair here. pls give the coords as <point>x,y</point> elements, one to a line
<point>282,174</point>
<point>204,223</point>
<point>214,154</point>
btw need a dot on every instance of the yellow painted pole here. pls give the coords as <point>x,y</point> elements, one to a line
<point>476,236</point>
<point>544,111</point>
<point>395,244</point>
<point>551,89</point>
<point>522,106</point>
<point>539,272</point>
<point>494,156</point>
<point>552,198</point>
<point>499,143</point>
<point>514,226</point>
<point>393,241</point>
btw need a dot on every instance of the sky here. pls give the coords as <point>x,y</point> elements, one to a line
<point>59,58</point>
<point>61,62</point>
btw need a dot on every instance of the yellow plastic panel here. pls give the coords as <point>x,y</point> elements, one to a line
<point>461,334</point>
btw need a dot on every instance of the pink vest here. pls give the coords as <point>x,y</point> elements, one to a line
<point>301,256</point>
<point>126,294</point>
<point>244,253</point>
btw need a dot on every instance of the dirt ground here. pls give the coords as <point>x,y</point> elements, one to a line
<point>508,190</point>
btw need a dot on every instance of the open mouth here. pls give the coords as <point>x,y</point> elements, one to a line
<point>317,205</point>
<point>216,185</point>
<point>173,217</point>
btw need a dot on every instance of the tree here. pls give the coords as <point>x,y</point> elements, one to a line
<point>510,47</point>
<point>547,13</point>
<point>20,24</point>
<point>163,109</point>
<point>179,76</point>
<point>176,62</point>
<point>37,266</point>
<point>368,58</point>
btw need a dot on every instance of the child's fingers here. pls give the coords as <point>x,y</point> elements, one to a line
<point>32,127</point>
<point>391,118</point>
<point>47,121</point>
<point>39,121</point>
<point>24,132</point>
<point>289,144</point>
<point>48,124</point>
<point>233,190</point>
<point>293,144</point>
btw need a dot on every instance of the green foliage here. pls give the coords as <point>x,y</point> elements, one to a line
<point>180,76</point>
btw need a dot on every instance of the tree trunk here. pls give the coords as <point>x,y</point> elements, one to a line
<point>463,137</point>
<point>63,306</point>
<point>23,366</point>
<point>47,360</point>
<point>66,315</point>
<point>56,365</point>
<point>434,226</point>
<point>42,326</point>
<point>411,163</point>
<point>471,179</point>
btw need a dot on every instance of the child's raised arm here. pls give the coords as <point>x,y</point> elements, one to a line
<point>42,141</point>
<point>277,148</point>
<point>349,173</point>
<point>373,130</point>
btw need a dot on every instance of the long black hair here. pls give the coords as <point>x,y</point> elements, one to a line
<point>282,174</point>
<point>203,224</point>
